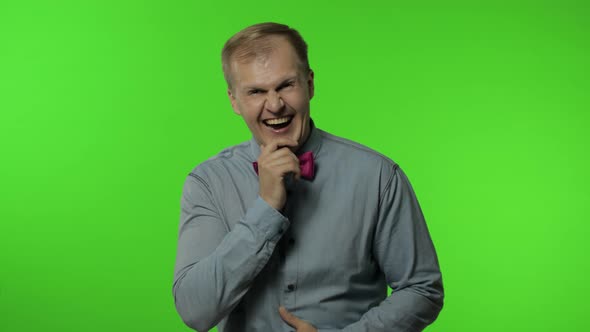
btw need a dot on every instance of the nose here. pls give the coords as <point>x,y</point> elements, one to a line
<point>274,102</point>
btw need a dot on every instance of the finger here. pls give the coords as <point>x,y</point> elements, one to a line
<point>288,167</point>
<point>298,175</point>
<point>296,169</point>
<point>281,152</point>
<point>282,166</point>
<point>278,156</point>
<point>280,142</point>
<point>281,157</point>
<point>289,318</point>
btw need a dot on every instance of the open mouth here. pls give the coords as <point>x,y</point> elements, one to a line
<point>278,123</point>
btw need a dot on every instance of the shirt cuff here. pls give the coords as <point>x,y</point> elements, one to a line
<point>265,218</point>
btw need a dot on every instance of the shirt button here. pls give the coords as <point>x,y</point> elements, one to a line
<point>290,287</point>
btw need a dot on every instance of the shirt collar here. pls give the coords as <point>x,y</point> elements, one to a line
<point>313,143</point>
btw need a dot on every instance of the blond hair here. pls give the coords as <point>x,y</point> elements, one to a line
<point>254,41</point>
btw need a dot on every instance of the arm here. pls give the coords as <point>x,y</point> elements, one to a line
<point>405,252</point>
<point>214,266</point>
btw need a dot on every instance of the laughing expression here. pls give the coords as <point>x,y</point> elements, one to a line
<point>271,92</point>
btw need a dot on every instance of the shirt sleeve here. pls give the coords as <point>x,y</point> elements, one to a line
<point>404,250</point>
<point>215,266</point>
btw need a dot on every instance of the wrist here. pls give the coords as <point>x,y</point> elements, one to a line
<point>272,203</point>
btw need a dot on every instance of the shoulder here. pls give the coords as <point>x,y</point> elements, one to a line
<point>231,159</point>
<point>347,150</point>
<point>365,169</point>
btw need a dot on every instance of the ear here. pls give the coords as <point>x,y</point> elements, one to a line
<point>233,101</point>
<point>310,84</point>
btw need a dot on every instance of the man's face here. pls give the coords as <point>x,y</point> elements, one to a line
<point>272,94</point>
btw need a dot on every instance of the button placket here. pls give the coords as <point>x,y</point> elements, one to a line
<point>290,259</point>
<point>290,274</point>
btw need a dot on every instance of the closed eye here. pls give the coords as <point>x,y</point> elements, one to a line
<point>285,85</point>
<point>254,92</point>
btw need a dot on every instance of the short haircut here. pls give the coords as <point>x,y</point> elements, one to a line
<point>253,41</point>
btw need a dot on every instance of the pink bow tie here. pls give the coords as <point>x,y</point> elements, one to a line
<point>305,163</point>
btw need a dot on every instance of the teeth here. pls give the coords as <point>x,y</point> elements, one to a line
<point>277,121</point>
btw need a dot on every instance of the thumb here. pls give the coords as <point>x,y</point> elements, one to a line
<point>289,317</point>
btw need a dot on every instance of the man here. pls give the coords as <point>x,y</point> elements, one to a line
<point>298,229</point>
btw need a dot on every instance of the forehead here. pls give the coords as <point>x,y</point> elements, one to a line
<point>273,61</point>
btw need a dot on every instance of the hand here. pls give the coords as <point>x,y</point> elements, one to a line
<point>296,322</point>
<point>276,160</point>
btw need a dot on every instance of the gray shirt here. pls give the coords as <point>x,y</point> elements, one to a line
<point>328,256</point>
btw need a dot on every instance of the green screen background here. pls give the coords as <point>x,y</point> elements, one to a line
<point>105,106</point>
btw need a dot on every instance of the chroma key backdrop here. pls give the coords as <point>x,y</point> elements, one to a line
<point>105,106</point>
